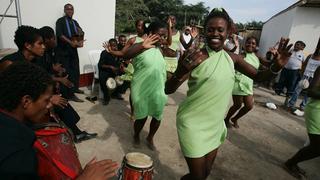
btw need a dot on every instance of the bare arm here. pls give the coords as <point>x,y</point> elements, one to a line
<point>281,58</point>
<point>4,65</point>
<point>138,48</point>
<point>314,89</point>
<point>123,51</point>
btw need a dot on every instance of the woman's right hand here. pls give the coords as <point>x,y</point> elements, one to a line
<point>150,41</point>
<point>188,61</point>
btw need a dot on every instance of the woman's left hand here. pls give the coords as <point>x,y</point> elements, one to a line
<point>282,55</point>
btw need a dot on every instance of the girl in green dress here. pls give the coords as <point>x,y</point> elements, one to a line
<point>243,87</point>
<point>211,74</point>
<point>148,80</point>
<point>312,119</point>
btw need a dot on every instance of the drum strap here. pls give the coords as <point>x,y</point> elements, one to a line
<point>50,132</point>
<point>37,144</point>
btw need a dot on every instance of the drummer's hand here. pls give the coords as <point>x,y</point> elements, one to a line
<point>99,170</point>
<point>114,69</point>
<point>57,100</point>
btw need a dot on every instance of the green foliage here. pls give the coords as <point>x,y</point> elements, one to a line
<point>128,11</point>
<point>250,25</point>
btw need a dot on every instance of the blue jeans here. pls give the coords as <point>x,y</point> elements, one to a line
<point>288,79</point>
<point>296,94</point>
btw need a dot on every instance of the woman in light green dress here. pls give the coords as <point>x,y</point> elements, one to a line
<point>312,120</point>
<point>243,87</point>
<point>171,51</point>
<point>211,74</point>
<point>148,80</point>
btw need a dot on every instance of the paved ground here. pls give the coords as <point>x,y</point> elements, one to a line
<point>266,138</point>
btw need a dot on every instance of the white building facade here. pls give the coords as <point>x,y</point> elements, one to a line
<point>300,21</point>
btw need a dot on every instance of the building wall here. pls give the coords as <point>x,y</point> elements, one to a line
<point>306,27</point>
<point>96,17</point>
<point>274,29</point>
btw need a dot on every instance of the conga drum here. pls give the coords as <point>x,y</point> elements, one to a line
<point>136,166</point>
<point>118,80</point>
<point>56,153</point>
<point>111,83</point>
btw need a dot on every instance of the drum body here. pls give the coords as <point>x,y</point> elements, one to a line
<point>136,166</point>
<point>56,153</point>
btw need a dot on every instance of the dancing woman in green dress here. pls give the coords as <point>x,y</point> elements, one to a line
<point>148,80</point>
<point>211,74</point>
<point>243,87</point>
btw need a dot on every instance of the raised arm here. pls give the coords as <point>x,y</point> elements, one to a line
<point>194,33</point>
<point>138,48</point>
<point>122,52</point>
<point>281,58</point>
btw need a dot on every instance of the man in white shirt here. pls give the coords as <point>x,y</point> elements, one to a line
<point>291,72</point>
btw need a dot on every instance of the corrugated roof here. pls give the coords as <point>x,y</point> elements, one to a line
<point>301,3</point>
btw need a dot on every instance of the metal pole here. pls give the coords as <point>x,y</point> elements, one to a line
<point>5,12</point>
<point>17,3</point>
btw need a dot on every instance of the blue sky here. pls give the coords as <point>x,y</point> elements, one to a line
<point>248,10</point>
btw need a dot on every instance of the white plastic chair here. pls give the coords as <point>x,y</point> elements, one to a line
<point>94,56</point>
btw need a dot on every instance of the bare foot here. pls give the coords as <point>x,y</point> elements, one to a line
<point>150,144</point>
<point>235,124</point>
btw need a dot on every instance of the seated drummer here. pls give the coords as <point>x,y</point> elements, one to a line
<point>109,67</point>
<point>62,108</point>
<point>31,47</point>
<point>23,104</point>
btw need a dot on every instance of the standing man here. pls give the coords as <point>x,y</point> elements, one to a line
<point>67,30</point>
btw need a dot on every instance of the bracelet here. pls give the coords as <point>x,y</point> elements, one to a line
<point>270,68</point>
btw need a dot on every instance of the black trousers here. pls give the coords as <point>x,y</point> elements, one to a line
<point>69,58</point>
<point>70,118</point>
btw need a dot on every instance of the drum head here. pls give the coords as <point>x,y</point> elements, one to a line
<point>118,80</point>
<point>111,83</point>
<point>138,160</point>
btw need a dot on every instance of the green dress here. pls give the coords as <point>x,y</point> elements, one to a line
<point>200,117</point>
<point>147,85</point>
<point>312,116</point>
<point>172,62</point>
<point>243,85</point>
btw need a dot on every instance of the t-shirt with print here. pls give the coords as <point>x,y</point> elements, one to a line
<point>295,61</point>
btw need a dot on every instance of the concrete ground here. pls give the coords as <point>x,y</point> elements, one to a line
<point>266,138</point>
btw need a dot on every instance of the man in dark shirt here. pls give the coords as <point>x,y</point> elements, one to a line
<point>66,29</point>
<point>109,67</point>
<point>30,45</point>
<point>24,103</point>
<point>62,108</point>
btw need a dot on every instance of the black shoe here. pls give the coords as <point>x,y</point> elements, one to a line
<point>75,99</point>
<point>84,136</point>
<point>117,96</point>
<point>79,91</point>
<point>104,102</point>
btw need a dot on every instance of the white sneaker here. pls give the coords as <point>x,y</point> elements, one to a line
<point>297,112</point>
<point>271,105</point>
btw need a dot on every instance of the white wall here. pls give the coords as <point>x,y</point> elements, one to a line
<point>306,27</point>
<point>274,29</point>
<point>96,18</point>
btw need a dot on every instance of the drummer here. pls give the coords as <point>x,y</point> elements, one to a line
<point>24,103</point>
<point>109,67</point>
